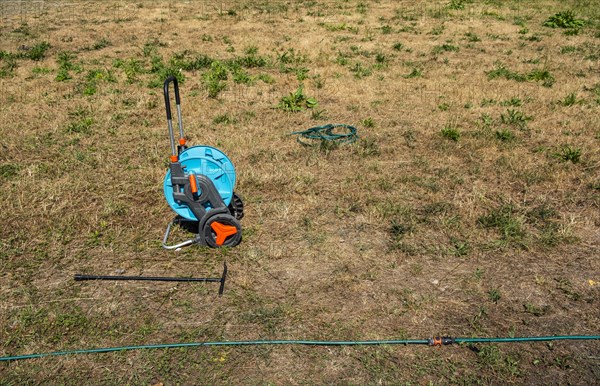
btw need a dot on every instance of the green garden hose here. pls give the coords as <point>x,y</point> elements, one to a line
<point>336,133</point>
<point>430,342</point>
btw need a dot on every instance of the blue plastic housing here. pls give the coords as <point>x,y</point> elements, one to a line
<point>209,161</point>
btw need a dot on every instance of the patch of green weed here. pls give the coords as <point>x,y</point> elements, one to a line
<point>214,79</point>
<point>565,19</point>
<point>297,101</point>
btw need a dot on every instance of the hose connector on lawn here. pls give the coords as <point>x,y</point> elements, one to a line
<point>440,341</point>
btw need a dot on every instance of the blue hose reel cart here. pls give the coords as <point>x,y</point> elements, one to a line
<point>199,187</point>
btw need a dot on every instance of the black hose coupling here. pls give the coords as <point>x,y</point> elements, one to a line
<point>440,341</point>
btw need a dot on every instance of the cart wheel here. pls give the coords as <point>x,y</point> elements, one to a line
<point>222,230</point>
<point>236,207</point>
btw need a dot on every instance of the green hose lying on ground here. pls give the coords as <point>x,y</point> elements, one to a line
<point>334,133</point>
<point>438,341</point>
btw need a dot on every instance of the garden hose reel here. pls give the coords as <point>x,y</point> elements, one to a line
<point>199,187</point>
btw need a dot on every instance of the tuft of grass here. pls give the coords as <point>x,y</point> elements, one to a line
<point>318,114</point>
<point>494,295</point>
<point>515,118</point>
<point>334,27</point>
<point>542,75</point>
<point>65,65</point>
<point>94,77</point>
<point>472,37</point>
<point>360,71</point>
<point>252,60</point>
<point>500,71</point>
<point>9,64</point>
<point>595,90</point>
<point>437,30</point>
<point>570,100</point>
<point>162,70</point>
<point>505,135</point>
<point>516,102</point>
<point>102,43</point>
<point>8,171</point>
<point>458,5</point>
<point>266,78</point>
<point>381,60</point>
<point>444,48</point>
<point>568,153</point>
<point>198,62</point>
<point>131,67</point>
<point>531,38</point>
<point>531,308</point>
<point>82,126</point>
<point>318,81</point>
<point>368,147</point>
<point>398,229</point>
<point>38,51</point>
<point>241,76</point>
<point>569,49</point>
<point>506,220</point>
<point>415,73</point>
<point>386,30</point>
<point>301,73</point>
<point>40,70</point>
<point>486,120</point>
<point>450,132</point>
<point>459,247</point>
<point>368,122</point>
<point>224,119</point>
<point>62,75</point>
<point>491,357</point>
<point>572,31</point>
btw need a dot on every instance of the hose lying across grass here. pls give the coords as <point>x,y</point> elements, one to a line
<point>443,341</point>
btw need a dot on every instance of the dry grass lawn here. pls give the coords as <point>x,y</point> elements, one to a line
<point>470,205</point>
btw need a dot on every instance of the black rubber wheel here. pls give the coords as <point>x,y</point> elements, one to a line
<point>222,230</point>
<point>236,207</point>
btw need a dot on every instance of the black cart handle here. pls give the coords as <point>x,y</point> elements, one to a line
<point>172,79</point>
